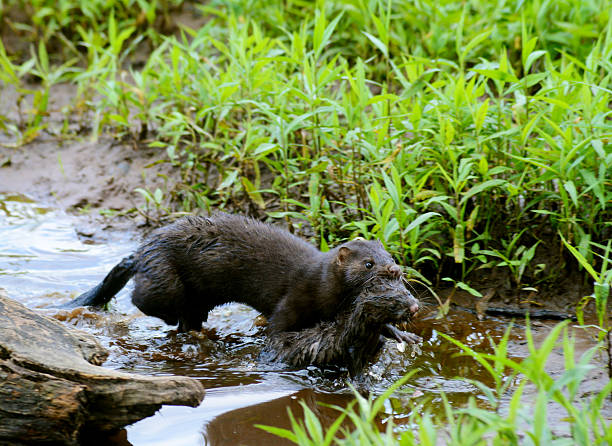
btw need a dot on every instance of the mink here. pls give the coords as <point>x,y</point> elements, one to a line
<point>184,270</point>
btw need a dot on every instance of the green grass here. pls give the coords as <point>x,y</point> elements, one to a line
<point>460,134</point>
<point>474,139</point>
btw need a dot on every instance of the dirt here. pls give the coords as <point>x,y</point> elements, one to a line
<point>84,175</point>
<point>80,175</point>
<point>498,292</point>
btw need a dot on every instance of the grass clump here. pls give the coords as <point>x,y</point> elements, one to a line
<point>65,23</point>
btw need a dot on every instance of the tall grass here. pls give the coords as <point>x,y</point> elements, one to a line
<point>460,134</point>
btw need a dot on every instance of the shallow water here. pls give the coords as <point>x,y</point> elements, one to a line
<point>44,262</point>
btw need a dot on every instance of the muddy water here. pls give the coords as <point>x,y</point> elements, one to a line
<point>48,257</point>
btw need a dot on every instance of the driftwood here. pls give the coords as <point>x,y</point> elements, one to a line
<point>53,391</point>
<point>518,312</point>
<point>353,338</point>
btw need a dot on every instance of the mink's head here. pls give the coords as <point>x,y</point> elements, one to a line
<point>361,260</point>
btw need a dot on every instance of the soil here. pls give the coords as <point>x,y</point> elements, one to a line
<point>84,175</point>
<point>80,176</point>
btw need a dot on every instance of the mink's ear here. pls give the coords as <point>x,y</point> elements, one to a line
<point>343,254</point>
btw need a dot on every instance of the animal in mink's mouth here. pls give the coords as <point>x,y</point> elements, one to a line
<point>355,336</point>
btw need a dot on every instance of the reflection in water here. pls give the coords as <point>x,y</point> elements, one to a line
<point>238,426</point>
<point>42,260</point>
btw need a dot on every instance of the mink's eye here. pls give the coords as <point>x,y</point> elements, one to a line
<point>369,265</point>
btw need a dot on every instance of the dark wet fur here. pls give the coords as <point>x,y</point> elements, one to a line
<point>354,337</point>
<point>184,270</point>
<point>111,285</point>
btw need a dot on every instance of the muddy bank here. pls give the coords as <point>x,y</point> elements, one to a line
<point>69,167</point>
<point>84,177</point>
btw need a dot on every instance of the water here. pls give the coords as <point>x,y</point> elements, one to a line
<point>44,262</point>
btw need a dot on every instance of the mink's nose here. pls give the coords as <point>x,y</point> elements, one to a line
<point>414,308</point>
<point>394,270</point>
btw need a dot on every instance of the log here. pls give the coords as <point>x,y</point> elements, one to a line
<point>52,389</point>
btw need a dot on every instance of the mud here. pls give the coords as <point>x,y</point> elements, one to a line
<point>84,174</point>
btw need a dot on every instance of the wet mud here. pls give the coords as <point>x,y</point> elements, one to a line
<point>88,175</point>
<point>48,257</point>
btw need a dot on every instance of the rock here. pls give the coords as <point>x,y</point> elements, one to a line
<point>122,168</point>
<point>53,389</point>
<point>85,230</point>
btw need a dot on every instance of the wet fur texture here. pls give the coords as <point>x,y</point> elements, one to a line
<point>184,270</point>
<point>354,337</point>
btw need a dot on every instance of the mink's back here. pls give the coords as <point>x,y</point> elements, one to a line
<point>229,258</point>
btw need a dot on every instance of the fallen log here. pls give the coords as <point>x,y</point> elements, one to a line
<point>52,389</point>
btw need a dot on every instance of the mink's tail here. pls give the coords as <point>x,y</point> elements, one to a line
<point>105,290</point>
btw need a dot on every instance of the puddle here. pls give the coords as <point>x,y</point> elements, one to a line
<point>43,262</point>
